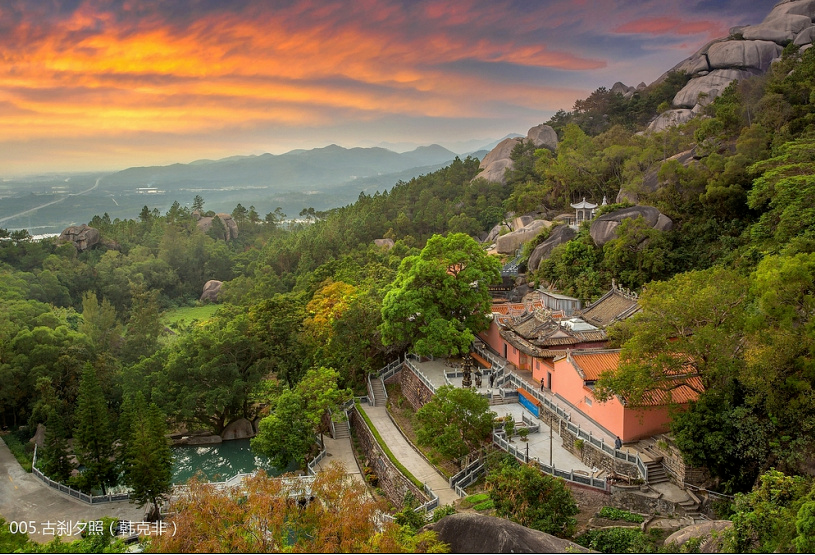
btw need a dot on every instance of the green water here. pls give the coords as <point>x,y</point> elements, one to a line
<point>219,462</point>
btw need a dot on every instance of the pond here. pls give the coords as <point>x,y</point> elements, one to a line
<point>220,461</point>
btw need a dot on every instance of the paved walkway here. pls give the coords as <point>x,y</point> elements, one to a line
<point>340,450</point>
<point>434,370</point>
<point>24,498</point>
<point>407,455</point>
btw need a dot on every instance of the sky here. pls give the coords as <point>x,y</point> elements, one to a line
<point>102,85</point>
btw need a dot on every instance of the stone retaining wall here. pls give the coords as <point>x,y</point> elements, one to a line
<point>414,389</point>
<point>590,455</point>
<point>674,463</point>
<point>391,481</point>
<point>632,498</point>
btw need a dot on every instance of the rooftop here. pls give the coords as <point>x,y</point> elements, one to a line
<point>612,307</point>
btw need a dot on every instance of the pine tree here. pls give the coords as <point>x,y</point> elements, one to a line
<point>56,463</point>
<point>147,460</point>
<point>93,438</point>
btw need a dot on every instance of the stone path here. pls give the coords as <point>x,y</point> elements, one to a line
<point>407,455</point>
<point>23,498</point>
<point>342,451</point>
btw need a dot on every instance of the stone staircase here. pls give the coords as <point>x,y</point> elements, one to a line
<point>341,430</point>
<point>496,399</point>
<point>656,472</point>
<point>379,392</point>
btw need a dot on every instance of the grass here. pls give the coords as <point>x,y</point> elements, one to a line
<point>388,452</point>
<point>19,450</point>
<point>478,501</point>
<point>183,316</point>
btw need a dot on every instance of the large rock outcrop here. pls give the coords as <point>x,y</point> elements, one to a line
<point>749,50</point>
<point>238,429</point>
<point>515,224</point>
<point>560,234</point>
<point>512,241</point>
<point>384,243</point>
<point>82,236</point>
<point>205,224</point>
<point>496,162</point>
<point>476,533</point>
<point>708,532</point>
<point>604,228</point>
<point>212,289</point>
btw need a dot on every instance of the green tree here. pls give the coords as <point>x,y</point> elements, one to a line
<point>785,188</point>
<point>143,327</point>
<point>93,436</point>
<point>765,520</point>
<point>99,323</point>
<point>525,495</point>
<point>690,324</point>
<point>55,459</point>
<point>455,421</point>
<point>212,373</point>
<point>440,299</point>
<point>287,434</point>
<point>147,461</point>
<point>198,204</point>
<point>638,254</point>
<point>319,391</point>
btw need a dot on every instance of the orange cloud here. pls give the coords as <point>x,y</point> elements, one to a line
<point>96,70</point>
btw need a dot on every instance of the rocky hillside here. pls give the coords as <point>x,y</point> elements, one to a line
<point>746,51</point>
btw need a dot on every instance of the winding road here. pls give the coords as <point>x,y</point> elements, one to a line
<point>32,210</point>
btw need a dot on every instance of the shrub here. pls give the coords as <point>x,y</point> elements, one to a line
<point>612,540</point>
<point>442,512</point>
<point>612,513</point>
<point>21,451</point>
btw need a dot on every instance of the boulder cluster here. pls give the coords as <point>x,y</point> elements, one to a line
<point>204,223</point>
<point>82,236</point>
<point>495,163</point>
<point>747,51</point>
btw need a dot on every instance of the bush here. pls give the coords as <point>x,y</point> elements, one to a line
<point>442,512</point>
<point>23,452</point>
<point>613,540</point>
<point>484,505</point>
<point>618,514</point>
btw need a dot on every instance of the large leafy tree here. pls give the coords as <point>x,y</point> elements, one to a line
<point>524,494</point>
<point>213,373</point>
<point>439,299</point>
<point>690,324</point>
<point>287,434</point>
<point>147,461</point>
<point>455,421</point>
<point>785,188</point>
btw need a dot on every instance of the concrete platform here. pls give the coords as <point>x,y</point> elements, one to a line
<point>24,498</point>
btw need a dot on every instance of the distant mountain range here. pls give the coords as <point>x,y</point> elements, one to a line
<point>321,178</point>
<point>320,169</point>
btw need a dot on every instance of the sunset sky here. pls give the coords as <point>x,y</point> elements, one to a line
<point>106,84</point>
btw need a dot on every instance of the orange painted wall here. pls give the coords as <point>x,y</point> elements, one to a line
<point>494,340</point>
<point>628,423</point>
<point>646,421</point>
